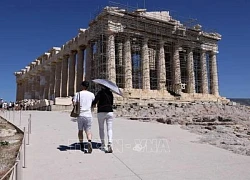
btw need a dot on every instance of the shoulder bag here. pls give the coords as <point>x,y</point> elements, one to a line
<point>76,109</point>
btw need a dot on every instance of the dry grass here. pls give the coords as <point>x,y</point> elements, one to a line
<point>8,152</point>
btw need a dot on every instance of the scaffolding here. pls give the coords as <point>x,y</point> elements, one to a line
<point>138,26</point>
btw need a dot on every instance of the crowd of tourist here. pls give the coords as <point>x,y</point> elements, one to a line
<point>26,104</point>
<point>4,105</point>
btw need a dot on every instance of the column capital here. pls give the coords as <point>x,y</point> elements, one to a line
<point>189,49</point>
<point>145,39</point>
<point>73,52</point>
<point>162,42</point>
<point>203,50</point>
<point>59,60</point>
<point>65,56</point>
<point>52,64</point>
<point>110,32</point>
<point>81,48</point>
<point>127,37</point>
<point>213,52</point>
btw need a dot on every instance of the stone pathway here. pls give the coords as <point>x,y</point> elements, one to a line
<point>142,150</point>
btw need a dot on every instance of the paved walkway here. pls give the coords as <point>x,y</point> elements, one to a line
<point>142,150</point>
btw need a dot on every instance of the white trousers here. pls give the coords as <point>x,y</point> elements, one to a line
<point>108,118</point>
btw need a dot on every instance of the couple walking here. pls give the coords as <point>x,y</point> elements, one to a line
<point>104,102</point>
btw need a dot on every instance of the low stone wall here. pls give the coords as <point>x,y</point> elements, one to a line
<point>147,96</point>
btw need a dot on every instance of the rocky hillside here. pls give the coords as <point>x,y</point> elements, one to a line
<point>10,141</point>
<point>224,126</point>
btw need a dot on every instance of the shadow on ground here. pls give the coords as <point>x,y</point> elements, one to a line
<point>76,146</point>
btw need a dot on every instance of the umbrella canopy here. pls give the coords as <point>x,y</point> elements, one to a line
<point>109,84</point>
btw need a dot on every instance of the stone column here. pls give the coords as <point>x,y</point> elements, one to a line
<point>42,84</point>
<point>120,54</point>
<point>89,56</point>
<point>58,78</point>
<point>204,83</point>
<point>23,88</point>
<point>21,95</point>
<point>145,65</point>
<point>72,71</point>
<point>128,64</point>
<point>27,89</point>
<point>47,83</point>
<point>65,70</point>
<point>80,68</point>
<point>214,87</point>
<point>176,69</point>
<point>18,90</point>
<point>37,86</point>
<point>190,72</point>
<point>52,81</point>
<point>111,58</point>
<point>161,68</point>
<point>32,84</point>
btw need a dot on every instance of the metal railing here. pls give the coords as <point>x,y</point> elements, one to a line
<point>15,172</point>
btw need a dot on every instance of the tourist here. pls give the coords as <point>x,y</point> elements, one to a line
<point>1,103</point>
<point>104,101</point>
<point>85,118</point>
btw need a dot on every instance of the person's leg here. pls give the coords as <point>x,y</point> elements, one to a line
<point>80,131</point>
<point>101,119</point>
<point>87,128</point>
<point>80,136</point>
<point>109,122</point>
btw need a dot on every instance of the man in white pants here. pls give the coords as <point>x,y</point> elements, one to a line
<point>85,118</point>
<point>104,99</point>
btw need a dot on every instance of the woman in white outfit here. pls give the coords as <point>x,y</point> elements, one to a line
<point>104,101</point>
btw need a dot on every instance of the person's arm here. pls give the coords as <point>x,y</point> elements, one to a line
<point>75,99</point>
<point>97,98</point>
<point>112,99</point>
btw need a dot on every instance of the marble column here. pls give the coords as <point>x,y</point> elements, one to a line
<point>47,83</point>
<point>120,53</point>
<point>89,56</point>
<point>32,84</point>
<point>161,68</point>
<point>111,58</point>
<point>127,63</point>
<point>52,81</point>
<point>37,86</point>
<point>42,84</point>
<point>58,79</point>
<point>214,87</point>
<point>176,69</point>
<point>23,88</point>
<point>27,89</point>
<point>80,68</point>
<point>65,66</point>
<point>190,71</point>
<point>203,64</point>
<point>145,65</point>
<point>18,91</point>
<point>72,71</point>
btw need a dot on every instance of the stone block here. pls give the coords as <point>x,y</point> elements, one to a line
<point>66,101</point>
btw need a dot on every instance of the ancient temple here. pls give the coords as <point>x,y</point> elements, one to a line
<point>149,55</point>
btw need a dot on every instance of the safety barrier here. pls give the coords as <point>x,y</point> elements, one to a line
<point>15,172</point>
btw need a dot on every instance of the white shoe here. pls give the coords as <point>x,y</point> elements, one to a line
<point>110,150</point>
<point>102,147</point>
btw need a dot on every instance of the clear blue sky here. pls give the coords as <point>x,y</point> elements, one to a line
<point>28,28</point>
